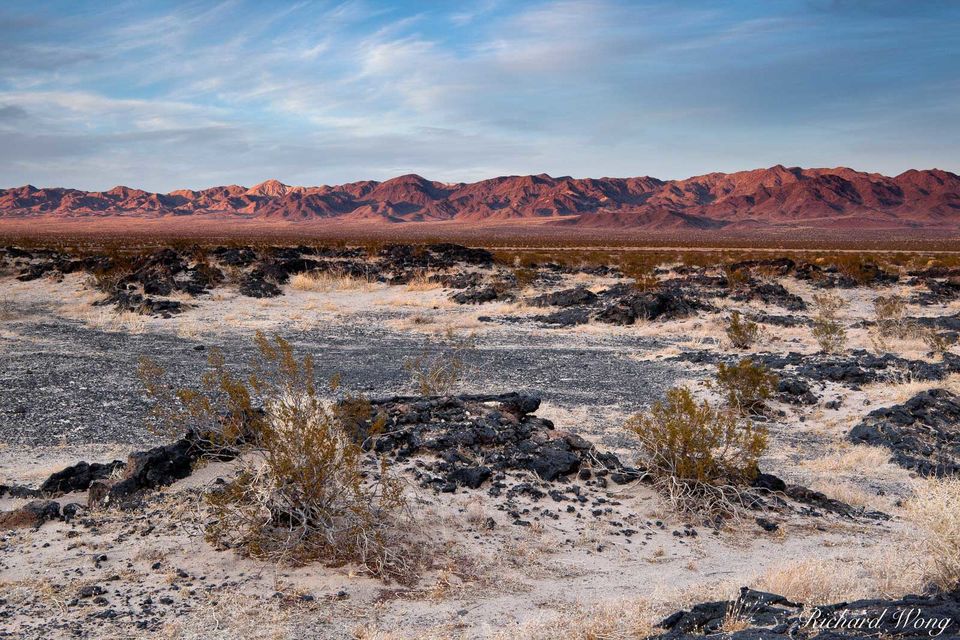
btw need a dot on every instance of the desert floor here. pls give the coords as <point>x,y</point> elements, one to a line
<point>69,391</point>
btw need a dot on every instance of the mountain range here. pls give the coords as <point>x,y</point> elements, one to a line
<point>778,197</point>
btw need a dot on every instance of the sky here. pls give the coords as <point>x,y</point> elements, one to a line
<point>168,95</point>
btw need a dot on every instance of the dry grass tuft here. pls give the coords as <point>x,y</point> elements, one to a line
<point>624,619</point>
<point>816,581</point>
<point>422,282</point>
<point>230,615</point>
<point>935,510</point>
<point>327,281</point>
<point>849,459</point>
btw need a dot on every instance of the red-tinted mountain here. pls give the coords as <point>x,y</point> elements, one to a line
<point>765,198</point>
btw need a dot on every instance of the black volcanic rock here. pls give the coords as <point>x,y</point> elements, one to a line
<point>923,433</point>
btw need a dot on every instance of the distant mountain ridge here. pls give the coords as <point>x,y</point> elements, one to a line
<point>762,198</point>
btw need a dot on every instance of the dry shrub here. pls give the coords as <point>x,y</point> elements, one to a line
<point>524,277</point>
<point>228,615</point>
<point>850,459</point>
<point>7,309</point>
<point>421,281</point>
<point>828,331</point>
<point>828,305</point>
<point>736,278</point>
<point>697,456</point>
<point>641,268</point>
<point>737,618</point>
<point>890,322</point>
<point>848,493</point>
<point>303,491</point>
<point>741,331</point>
<point>935,510</point>
<point>890,312</point>
<point>938,343</point>
<point>746,385</point>
<point>440,372</point>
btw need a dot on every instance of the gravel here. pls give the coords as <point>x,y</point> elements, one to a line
<point>64,382</point>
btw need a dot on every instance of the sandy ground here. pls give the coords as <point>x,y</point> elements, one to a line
<point>68,391</point>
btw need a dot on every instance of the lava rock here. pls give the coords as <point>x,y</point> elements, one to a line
<point>922,433</point>
<point>32,514</point>
<point>566,298</point>
<point>476,296</point>
<point>78,477</point>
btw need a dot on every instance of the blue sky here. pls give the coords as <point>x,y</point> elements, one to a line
<point>164,95</point>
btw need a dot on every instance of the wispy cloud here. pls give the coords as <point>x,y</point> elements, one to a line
<point>193,93</point>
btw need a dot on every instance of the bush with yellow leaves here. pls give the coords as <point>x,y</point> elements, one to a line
<point>698,456</point>
<point>303,491</point>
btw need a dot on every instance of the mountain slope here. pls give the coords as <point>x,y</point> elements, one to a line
<point>764,198</point>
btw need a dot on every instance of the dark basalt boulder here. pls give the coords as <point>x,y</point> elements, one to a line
<point>656,305</point>
<point>772,293</point>
<point>946,323</point>
<point>19,491</point>
<point>855,367</point>
<point>200,279</point>
<point>476,296</point>
<point>771,616</point>
<point>461,280</point>
<point>796,391</point>
<point>923,433</point>
<point>777,266</point>
<point>475,437</point>
<point>125,300</point>
<point>156,467</point>
<point>234,256</point>
<point>78,477</point>
<point>769,483</point>
<point>566,298</point>
<point>939,292</point>
<point>763,609</point>
<point>564,318</point>
<point>32,514</point>
<point>255,286</point>
<point>780,321</point>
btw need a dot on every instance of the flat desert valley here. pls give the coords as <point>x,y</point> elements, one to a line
<point>429,440</point>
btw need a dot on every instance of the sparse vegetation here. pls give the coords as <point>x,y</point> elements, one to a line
<point>828,330</point>
<point>439,372</point>
<point>938,343</point>
<point>697,455</point>
<point>746,385</point>
<point>828,305</point>
<point>830,335</point>
<point>327,281</point>
<point>642,269</point>
<point>525,277</point>
<point>736,278</point>
<point>935,510</point>
<point>889,312</point>
<point>302,493</point>
<point>741,331</point>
